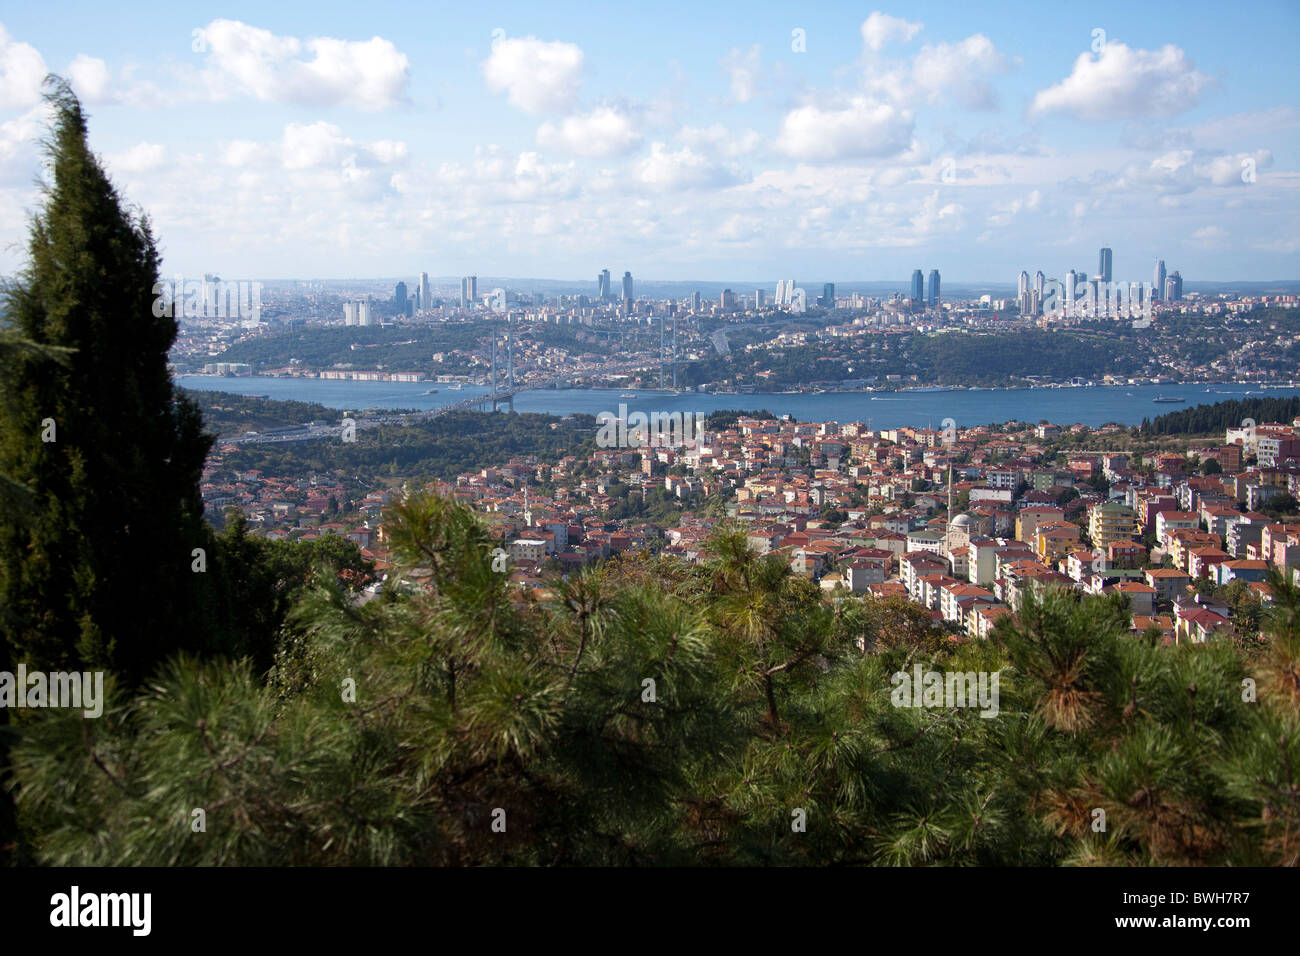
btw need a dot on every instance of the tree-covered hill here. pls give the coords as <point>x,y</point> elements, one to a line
<point>443,447</point>
<point>1209,419</point>
<point>226,414</point>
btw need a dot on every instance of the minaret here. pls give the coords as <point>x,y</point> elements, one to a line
<point>949,492</point>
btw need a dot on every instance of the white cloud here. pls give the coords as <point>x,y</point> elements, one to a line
<point>1123,83</point>
<point>1003,213</point>
<point>19,158</point>
<point>90,78</point>
<point>537,76</point>
<point>495,176</point>
<point>669,170</point>
<point>961,69</point>
<point>242,152</point>
<point>388,152</point>
<point>321,144</point>
<point>605,131</point>
<point>934,217</point>
<point>314,144</point>
<point>1232,170</point>
<point>140,158</point>
<point>1184,170</point>
<point>743,69</point>
<point>880,29</point>
<point>860,129</point>
<point>1209,236</point>
<point>245,60</point>
<point>22,70</point>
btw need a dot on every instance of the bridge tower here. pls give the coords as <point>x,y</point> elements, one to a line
<point>510,364</point>
<point>662,320</point>
<point>674,352</point>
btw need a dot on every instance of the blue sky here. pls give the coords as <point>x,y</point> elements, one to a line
<point>743,142</point>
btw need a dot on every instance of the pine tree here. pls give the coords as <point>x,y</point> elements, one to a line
<point>100,576</point>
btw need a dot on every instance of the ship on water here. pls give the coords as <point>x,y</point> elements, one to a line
<point>1161,400</point>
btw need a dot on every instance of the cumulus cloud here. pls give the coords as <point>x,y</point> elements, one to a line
<point>666,169</point>
<point>937,217</point>
<point>243,60</point>
<point>537,76</point>
<point>90,78</point>
<point>1237,169</point>
<point>1003,213</point>
<point>1125,83</point>
<point>18,152</point>
<point>497,176</point>
<point>743,69</point>
<point>140,158</point>
<point>321,144</point>
<point>605,131</point>
<point>22,69</point>
<point>879,30</point>
<point>960,69</point>
<point>861,129</point>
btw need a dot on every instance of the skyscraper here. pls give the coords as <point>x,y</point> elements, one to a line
<point>1174,287</point>
<point>1160,279</point>
<point>1040,282</point>
<point>602,285</point>
<point>468,292</point>
<point>933,300</point>
<point>728,301</point>
<point>759,296</point>
<point>399,297</point>
<point>828,295</point>
<point>627,293</point>
<point>1071,282</point>
<point>695,302</point>
<point>1104,264</point>
<point>426,300</point>
<point>357,312</point>
<point>918,285</point>
<point>1022,287</point>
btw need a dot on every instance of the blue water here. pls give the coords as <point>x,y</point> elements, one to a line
<point>1126,404</point>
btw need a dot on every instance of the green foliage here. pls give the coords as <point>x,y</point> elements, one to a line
<point>1208,419</point>
<point>648,712</point>
<point>440,448</point>
<point>114,497</point>
<point>229,414</point>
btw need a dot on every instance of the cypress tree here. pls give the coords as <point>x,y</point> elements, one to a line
<point>100,574</point>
